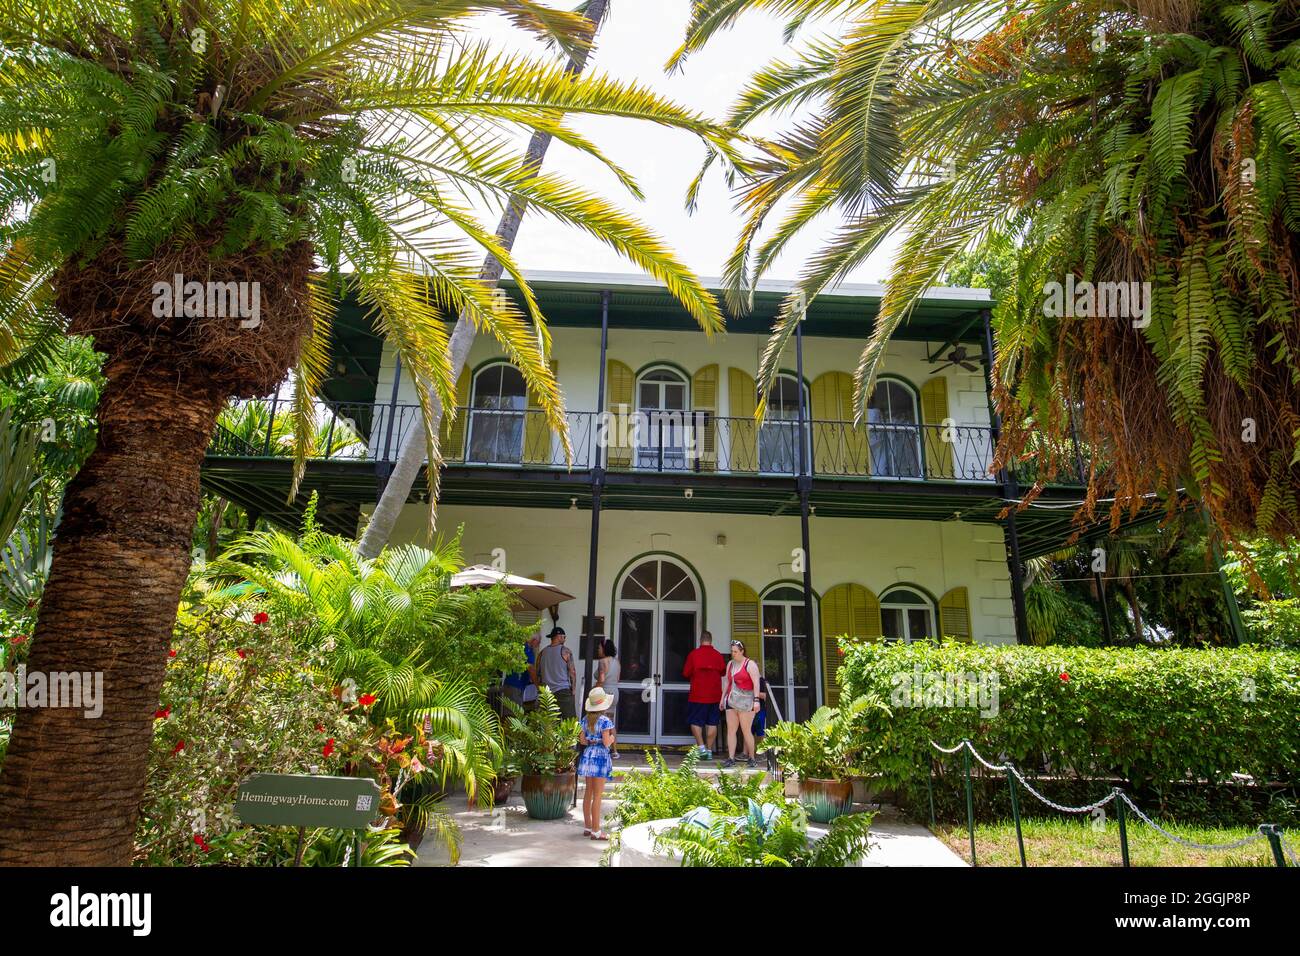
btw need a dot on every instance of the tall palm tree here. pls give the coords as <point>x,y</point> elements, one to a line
<point>1139,141</point>
<point>397,489</point>
<point>260,149</point>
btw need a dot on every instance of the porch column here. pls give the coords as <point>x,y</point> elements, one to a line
<point>1010,492</point>
<point>597,485</point>
<point>1099,582</point>
<point>383,461</point>
<point>803,482</point>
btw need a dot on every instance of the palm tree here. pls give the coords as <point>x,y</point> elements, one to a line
<point>376,623</point>
<point>257,150</point>
<point>1139,142</point>
<point>397,489</point>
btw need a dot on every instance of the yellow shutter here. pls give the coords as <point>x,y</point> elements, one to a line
<point>850,611</point>
<point>452,437</point>
<point>839,446</point>
<point>743,395</point>
<point>537,436</point>
<point>744,619</point>
<point>620,383</point>
<point>934,409</point>
<point>704,388</point>
<point>954,615</point>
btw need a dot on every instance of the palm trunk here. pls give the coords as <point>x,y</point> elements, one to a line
<point>397,491</point>
<point>71,785</point>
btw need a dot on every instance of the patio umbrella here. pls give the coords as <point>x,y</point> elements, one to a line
<point>535,594</point>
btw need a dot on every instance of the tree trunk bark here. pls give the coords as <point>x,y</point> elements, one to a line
<point>397,490</point>
<point>121,557</point>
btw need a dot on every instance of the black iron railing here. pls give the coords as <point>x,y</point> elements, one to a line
<point>661,442</point>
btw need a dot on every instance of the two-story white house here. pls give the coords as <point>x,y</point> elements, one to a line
<point>679,512</point>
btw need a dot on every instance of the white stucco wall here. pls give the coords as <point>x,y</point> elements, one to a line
<point>935,555</point>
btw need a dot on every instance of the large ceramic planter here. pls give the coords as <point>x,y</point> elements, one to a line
<point>825,799</point>
<point>547,796</point>
<point>502,789</point>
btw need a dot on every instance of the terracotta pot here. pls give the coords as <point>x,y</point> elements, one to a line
<point>501,792</point>
<point>547,796</point>
<point>825,799</point>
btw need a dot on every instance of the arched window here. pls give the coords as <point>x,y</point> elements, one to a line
<point>662,397</point>
<point>497,408</point>
<point>906,615</point>
<point>788,648</point>
<point>893,427</point>
<point>778,438</point>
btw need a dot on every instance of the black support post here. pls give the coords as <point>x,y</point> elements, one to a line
<point>803,482</point>
<point>597,485</point>
<point>1010,491</point>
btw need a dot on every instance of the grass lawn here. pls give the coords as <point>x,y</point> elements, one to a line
<point>1080,842</point>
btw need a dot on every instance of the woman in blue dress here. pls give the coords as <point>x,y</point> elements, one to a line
<point>597,732</point>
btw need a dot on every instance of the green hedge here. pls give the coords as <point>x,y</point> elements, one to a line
<point>1151,717</point>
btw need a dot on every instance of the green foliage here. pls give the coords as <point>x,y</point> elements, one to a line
<point>238,698</point>
<point>1153,717</point>
<point>483,639</point>
<point>1276,623</point>
<point>541,740</point>
<point>744,842</point>
<point>664,793</point>
<point>379,623</point>
<point>824,746</point>
<point>1169,155</point>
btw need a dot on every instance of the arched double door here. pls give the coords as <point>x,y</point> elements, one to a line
<point>658,610</point>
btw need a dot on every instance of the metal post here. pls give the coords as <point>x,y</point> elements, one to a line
<point>929,788</point>
<point>1123,824</point>
<point>1100,583</point>
<point>597,485</point>
<point>1274,834</point>
<point>270,424</point>
<point>970,800</point>
<point>1010,491</point>
<point>1015,812</point>
<point>392,408</point>
<point>803,482</point>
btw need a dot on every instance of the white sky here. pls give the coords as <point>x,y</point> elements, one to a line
<point>633,45</point>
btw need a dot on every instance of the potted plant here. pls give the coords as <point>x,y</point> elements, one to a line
<point>822,754</point>
<point>543,746</point>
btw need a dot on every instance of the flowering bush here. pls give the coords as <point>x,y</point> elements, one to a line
<point>239,698</point>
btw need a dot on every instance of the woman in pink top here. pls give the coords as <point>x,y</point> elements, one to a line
<point>740,701</point>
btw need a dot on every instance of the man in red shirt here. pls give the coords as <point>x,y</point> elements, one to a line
<point>704,668</point>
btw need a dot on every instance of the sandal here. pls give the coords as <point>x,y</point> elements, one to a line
<point>600,835</point>
<point>586,832</point>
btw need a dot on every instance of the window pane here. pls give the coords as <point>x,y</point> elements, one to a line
<point>891,619</point>
<point>918,623</point>
<point>904,596</point>
<point>641,584</point>
<point>773,619</point>
<point>671,581</point>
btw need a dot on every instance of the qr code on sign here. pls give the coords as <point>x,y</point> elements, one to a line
<point>364,801</point>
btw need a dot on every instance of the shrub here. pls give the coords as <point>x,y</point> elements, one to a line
<point>1151,717</point>
<point>744,840</point>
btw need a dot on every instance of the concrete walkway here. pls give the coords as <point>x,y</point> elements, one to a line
<point>507,836</point>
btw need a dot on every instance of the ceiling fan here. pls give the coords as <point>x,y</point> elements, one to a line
<point>957,356</point>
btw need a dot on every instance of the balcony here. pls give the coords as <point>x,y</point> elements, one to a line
<point>663,443</point>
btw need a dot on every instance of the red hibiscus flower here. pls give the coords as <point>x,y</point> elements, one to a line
<point>242,652</point>
<point>1065,678</point>
<point>328,749</point>
<point>162,713</point>
<point>20,639</point>
<point>365,700</point>
<point>320,728</point>
<point>261,617</point>
<point>171,652</point>
<point>180,745</point>
<point>202,843</point>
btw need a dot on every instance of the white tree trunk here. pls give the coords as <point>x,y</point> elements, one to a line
<point>414,452</point>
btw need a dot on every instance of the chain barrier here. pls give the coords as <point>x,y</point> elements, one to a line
<point>1265,831</point>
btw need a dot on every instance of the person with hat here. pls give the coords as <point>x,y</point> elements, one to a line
<point>594,766</point>
<point>555,670</point>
